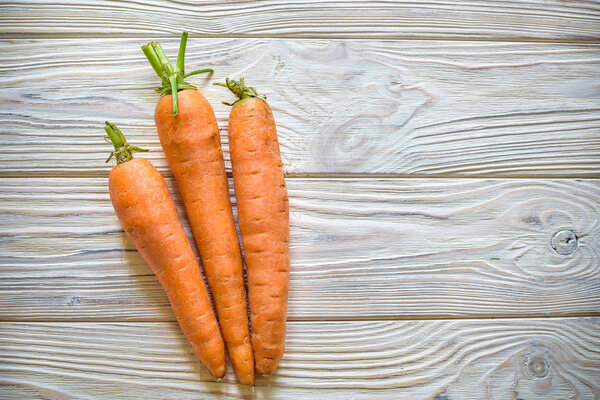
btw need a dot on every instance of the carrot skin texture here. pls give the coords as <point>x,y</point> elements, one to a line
<point>148,215</point>
<point>192,145</point>
<point>263,215</point>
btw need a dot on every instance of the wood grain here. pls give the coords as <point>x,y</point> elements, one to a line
<point>342,107</point>
<point>506,20</point>
<point>360,248</point>
<point>506,359</point>
<point>378,264</point>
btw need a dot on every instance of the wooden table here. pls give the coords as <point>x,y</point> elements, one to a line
<point>442,161</point>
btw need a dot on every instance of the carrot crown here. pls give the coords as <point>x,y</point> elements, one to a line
<point>123,150</point>
<point>240,89</point>
<point>172,76</point>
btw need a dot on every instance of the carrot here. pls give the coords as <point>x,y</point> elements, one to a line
<point>263,216</point>
<point>189,135</point>
<point>147,213</point>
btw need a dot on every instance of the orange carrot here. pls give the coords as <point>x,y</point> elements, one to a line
<point>263,216</point>
<point>147,213</point>
<point>189,135</point>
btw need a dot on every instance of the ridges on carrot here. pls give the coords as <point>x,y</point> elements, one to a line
<point>263,215</point>
<point>148,215</point>
<point>188,132</point>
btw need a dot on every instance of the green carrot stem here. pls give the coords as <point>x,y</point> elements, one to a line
<point>162,57</point>
<point>153,58</point>
<point>123,150</point>
<point>180,66</point>
<point>240,89</point>
<point>172,76</point>
<point>199,71</point>
<point>173,82</point>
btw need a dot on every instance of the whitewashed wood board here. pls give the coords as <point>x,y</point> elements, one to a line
<point>442,360</point>
<point>422,108</point>
<point>360,248</point>
<point>496,19</point>
<point>494,90</point>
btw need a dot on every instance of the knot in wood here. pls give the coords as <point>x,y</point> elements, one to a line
<point>564,242</point>
<point>536,365</point>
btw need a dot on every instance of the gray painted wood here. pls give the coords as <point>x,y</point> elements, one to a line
<point>344,106</point>
<point>360,248</point>
<point>496,19</point>
<point>385,272</point>
<point>462,359</point>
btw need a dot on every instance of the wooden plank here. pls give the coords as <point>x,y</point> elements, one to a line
<point>497,19</point>
<point>360,248</point>
<point>342,107</point>
<point>502,359</point>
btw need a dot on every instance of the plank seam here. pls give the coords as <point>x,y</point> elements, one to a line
<point>447,38</point>
<point>374,318</point>
<point>322,176</point>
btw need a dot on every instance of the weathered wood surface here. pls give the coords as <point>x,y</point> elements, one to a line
<point>461,359</point>
<point>420,108</point>
<point>378,264</point>
<point>393,248</point>
<point>496,19</point>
